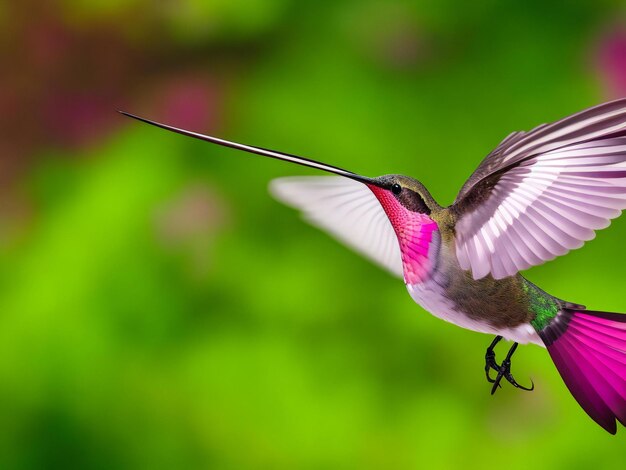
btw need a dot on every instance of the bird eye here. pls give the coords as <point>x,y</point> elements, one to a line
<point>396,188</point>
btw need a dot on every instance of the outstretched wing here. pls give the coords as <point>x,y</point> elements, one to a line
<point>346,209</point>
<point>542,193</point>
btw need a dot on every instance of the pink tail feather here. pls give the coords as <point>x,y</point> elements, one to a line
<point>589,351</point>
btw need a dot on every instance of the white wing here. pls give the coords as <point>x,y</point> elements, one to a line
<point>542,207</point>
<point>346,209</point>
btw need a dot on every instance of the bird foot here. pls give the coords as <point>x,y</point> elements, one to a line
<point>503,370</point>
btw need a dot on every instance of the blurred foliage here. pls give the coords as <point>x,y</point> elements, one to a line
<point>159,310</point>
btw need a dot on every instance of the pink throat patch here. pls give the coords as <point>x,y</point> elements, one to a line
<point>415,235</point>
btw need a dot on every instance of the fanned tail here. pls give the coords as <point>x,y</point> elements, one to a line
<point>589,351</point>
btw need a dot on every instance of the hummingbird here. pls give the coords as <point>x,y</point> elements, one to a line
<point>536,196</point>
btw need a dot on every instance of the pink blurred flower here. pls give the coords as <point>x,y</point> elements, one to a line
<point>611,61</point>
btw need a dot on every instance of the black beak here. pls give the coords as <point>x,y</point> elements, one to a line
<point>261,151</point>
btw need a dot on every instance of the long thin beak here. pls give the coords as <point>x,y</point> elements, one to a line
<point>260,151</point>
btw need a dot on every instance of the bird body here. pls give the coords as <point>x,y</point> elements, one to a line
<point>536,196</point>
<point>499,307</point>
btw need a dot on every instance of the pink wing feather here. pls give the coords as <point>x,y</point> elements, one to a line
<point>523,208</point>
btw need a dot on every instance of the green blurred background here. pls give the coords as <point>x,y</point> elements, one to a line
<point>159,310</point>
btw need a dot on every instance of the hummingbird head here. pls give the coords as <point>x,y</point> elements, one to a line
<point>403,191</point>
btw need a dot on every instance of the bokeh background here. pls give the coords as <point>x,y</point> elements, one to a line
<point>159,310</point>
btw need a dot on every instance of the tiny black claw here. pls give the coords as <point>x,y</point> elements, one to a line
<point>495,385</point>
<point>512,381</point>
<point>503,370</point>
